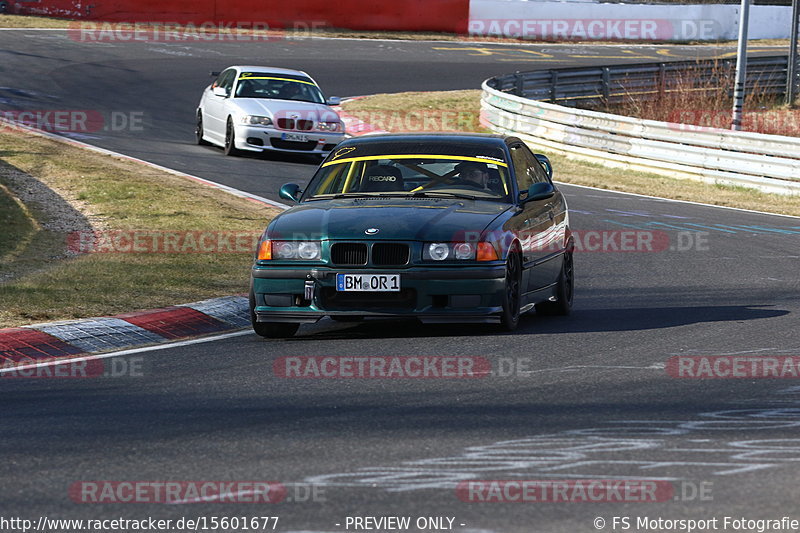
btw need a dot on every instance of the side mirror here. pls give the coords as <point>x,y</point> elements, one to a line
<point>334,100</point>
<point>291,192</point>
<point>539,191</point>
<point>220,91</point>
<point>548,167</point>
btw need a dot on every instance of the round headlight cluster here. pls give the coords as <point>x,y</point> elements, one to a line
<point>308,250</point>
<point>438,251</point>
<point>442,251</point>
<point>304,250</point>
<point>464,250</point>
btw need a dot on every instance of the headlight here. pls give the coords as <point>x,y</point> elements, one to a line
<point>256,120</point>
<point>436,251</point>
<point>329,126</point>
<point>441,251</point>
<point>290,250</point>
<point>464,250</point>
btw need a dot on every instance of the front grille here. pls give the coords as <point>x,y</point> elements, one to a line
<point>291,124</point>
<point>292,145</point>
<point>349,254</point>
<point>389,253</point>
<point>333,299</point>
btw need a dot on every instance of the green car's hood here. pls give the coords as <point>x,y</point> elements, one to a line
<point>422,219</point>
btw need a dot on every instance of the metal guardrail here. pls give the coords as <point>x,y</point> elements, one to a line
<point>770,163</point>
<point>594,85</point>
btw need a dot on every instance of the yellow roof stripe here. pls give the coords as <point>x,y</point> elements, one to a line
<point>272,78</point>
<point>415,156</point>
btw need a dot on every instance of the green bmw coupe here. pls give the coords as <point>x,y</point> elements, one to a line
<point>440,227</point>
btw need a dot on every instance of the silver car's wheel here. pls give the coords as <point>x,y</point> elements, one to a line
<point>230,139</point>
<point>198,131</point>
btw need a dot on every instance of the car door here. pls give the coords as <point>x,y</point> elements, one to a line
<point>214,112</point>
<point>535,223</point>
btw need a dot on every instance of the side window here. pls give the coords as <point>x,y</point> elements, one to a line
<point>538,174</point>
<point>527,167</point>
<point>225,80</point>
<point>521,167</point>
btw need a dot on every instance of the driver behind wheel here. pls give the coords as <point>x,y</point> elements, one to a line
<point>474,175</point>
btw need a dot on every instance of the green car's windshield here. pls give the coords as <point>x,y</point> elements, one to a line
<point>409,175</point>
<point>277,86</point>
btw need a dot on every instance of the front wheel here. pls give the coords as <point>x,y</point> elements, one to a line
<point>564,291</point>
<point>198,131</point>
<point>509,318</point>
<point>230,139</point>
<point>271,330</point>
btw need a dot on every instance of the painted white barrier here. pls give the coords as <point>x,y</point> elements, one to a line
<point>770,163</point>
<point>581,21</point>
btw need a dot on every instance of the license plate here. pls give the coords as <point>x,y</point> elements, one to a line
<point>368,282</point>
<point>297,137</point>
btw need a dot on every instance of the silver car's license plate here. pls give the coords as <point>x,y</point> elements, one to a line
<point>368,282</point>
<point>297,137</point>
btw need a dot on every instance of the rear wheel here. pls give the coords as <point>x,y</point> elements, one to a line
<point>271,330</point>
<point>230,139</point>
<point>198,131</point>
<point>509,318</point>
<point>564,291</point>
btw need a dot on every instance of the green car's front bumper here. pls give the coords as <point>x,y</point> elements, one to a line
<point>431,294</point>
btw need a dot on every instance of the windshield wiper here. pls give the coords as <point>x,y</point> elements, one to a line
<point>442,194</point>
<point>336,196</point>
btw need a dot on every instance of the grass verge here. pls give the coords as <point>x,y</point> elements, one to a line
<point>124,198</point>
<point>394,109</point>
<point>18,225</point>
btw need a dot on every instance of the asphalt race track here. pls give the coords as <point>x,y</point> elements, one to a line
<point>585,397</point>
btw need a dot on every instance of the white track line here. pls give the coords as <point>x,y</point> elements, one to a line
<point>677,201</point>
<point>70,360</point>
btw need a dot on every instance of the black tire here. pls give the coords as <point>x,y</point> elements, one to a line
<point>509,317</point>
<point>198,131</point>
<point>230,139</point>
<point>271,330</point>
<point>565,291</point>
